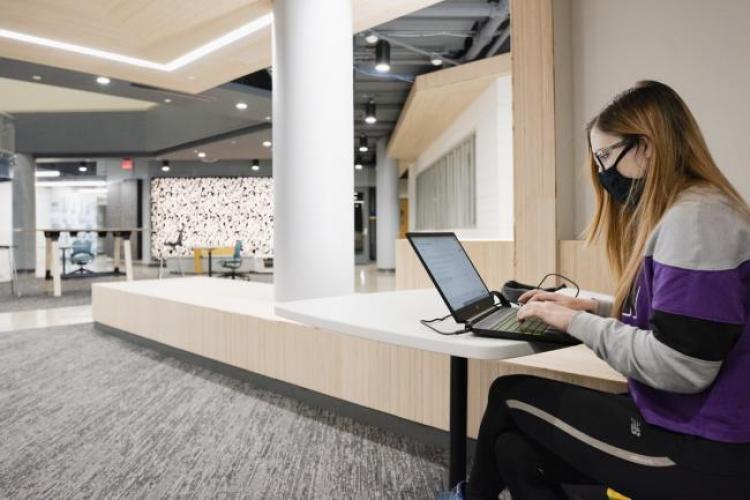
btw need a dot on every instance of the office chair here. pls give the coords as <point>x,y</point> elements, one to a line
<point>234,263</point>
<point>81,256</point>
<point>171,247</point>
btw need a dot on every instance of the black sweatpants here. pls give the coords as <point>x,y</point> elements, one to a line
<point>538,433</point>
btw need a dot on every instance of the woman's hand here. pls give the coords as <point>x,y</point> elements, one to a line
<point>557,298</point>
<point>552,313</point>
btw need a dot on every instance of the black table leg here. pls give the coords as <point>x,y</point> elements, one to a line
<point>459,383</point>
<point>209,263</point>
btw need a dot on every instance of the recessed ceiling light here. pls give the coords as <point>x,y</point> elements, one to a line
<point>201,154</point>
<point>167,100</point>
<point>103,80</point>
<point>36,77</point>
<point>83,168</point>
<point>195,54</point>
<point>241,106</point>
<point>372,38</point>
<point>266,144</point>
<point>47,173</point>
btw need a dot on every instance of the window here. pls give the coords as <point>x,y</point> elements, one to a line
<point>446,190</point>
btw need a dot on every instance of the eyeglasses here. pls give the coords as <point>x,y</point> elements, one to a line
<point>603,154</point>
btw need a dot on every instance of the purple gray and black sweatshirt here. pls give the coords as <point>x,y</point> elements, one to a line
<point>684,340</point>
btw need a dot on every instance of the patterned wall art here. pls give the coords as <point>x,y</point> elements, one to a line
<point>212,211</point>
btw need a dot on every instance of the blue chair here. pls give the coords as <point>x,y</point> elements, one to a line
<point>81,256</point>
<point>234,263</point>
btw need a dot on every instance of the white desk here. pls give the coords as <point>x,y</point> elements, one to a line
<point>393,317</point>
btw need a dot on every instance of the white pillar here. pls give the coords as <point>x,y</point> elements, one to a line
<point>386,228</point>
<point>313,134</point>
<point>24,211</point>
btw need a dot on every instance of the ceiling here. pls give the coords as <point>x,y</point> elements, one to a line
<point>458,31</point>
<point>17,96</point>
<point>248,146</point>
<point>172,44</point>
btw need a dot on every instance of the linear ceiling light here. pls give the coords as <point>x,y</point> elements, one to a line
<point>192,56</point>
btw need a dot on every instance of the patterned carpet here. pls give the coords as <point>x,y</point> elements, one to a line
<point>87,415</point>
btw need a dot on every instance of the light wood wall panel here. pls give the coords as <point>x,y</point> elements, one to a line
<point>533,139</point>
<point>587,265</point>
<point>492,258</point>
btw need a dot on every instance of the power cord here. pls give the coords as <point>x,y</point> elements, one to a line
<point>426,322</point>
<point>578,289</point>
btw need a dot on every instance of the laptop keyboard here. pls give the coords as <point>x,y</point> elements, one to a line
<point>508,322</point>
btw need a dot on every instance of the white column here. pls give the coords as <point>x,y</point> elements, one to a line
<point>386,228</point>
<point>313,156</point>
<point>24,211</point>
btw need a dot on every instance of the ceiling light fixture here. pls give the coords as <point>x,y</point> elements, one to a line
<point>165,166</point>
<point>71,184</point>
<point>372,38</point>
<point>358,162</point>
<point>370,112</point>
<point>103,80</point>
<point>242,106</point>
<point>187,58</point>
<point>383,56</point>
<point>256,165</point>
<point>36,78</point>
<point>266,144</point>
<point>436,60</point>
<point>201,154</point>
<point>167,100</point>
<point>363,144</point>
<point>47,173</point>
<point>268,118</point>
<point>82,167</point>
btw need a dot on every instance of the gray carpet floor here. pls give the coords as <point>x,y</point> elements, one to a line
<point>87,415</point>
<point>36,293</point>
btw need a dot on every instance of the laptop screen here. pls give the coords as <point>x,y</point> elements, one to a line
<point>450,268</point>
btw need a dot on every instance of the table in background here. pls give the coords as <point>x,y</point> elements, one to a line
<point>52,263</point>
<point>210,251</point>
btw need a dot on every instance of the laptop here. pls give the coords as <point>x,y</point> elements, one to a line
<point>468,298</point>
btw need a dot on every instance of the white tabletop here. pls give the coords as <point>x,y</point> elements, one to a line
<point>393,317</point>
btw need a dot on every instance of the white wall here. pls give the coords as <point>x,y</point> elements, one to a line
<point>490,118</point>
<point>6,226</point>
<point>701,49</point>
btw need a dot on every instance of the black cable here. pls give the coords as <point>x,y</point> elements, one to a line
<point>578,289</point>
<point>426,322</point>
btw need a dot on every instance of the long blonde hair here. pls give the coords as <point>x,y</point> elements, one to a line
<point>680,160</point>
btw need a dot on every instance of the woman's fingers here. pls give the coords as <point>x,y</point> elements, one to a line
<point>528,295</point>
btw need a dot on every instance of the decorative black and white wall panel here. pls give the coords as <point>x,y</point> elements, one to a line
<point>212,211</point>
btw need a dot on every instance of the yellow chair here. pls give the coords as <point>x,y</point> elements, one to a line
<point>613,495</point>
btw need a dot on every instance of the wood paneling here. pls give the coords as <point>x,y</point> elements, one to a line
<point>533,139</point>
<point>160,31</point>
<point>492,258</point>
<point>587,265</point>
<point>436,99</point>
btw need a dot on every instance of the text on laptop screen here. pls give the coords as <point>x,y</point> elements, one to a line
<point>451,269</point>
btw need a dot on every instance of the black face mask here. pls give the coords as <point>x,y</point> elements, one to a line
<point>622,189</point>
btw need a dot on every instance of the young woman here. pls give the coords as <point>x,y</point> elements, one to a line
<point>678,240</point>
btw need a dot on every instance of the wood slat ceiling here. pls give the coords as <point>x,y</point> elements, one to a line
<point>160,31</point>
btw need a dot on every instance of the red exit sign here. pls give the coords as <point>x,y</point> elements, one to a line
<point>127,164</point>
